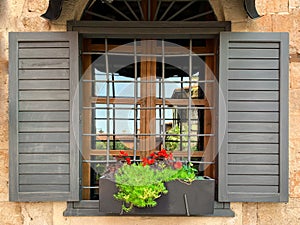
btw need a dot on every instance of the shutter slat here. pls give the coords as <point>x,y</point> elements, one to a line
<point>253,64</point>
<point>253,180</point>
<point>42,188</point>
<point>44,95</point>
<point>43,63</point>
<point>253,189</point>
<point>45,74</point>
<point>44,168</point>
<point>253,74</point>
<point>45,179</point>
<point>253,127</point>
<point>44,137</point>
<point>253,148</point>
<point>44,118</point>
<point>253,95</point>
<point>252,159</point>
<point>44,105</point>
<point>253,138</point>
<point>254,53</point>
<point>253,85</point>
<point>48,53</point>
<point>44,126</point>
<point>253,117</point>
<point>253,106</point>
<point>253,45</point>
<point>44,44</point>
<point>44,148</point>
<point>44,158</point>
<point>253,169</point>
<point>44,84</point>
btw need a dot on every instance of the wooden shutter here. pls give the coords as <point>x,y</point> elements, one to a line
<point>43,116</point>
<point>253,117</point>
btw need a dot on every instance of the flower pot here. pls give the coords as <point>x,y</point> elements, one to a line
<point>196,198</point>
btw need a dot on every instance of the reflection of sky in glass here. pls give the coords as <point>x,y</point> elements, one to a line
<point>124,118</point>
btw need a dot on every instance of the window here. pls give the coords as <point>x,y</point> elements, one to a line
<point>144,95</point>
<point>251,115</point>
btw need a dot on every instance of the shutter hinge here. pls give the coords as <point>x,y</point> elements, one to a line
<point>80,117</point>
<point>80,181</point>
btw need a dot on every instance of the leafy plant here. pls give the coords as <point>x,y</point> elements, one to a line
<point>141,184</point>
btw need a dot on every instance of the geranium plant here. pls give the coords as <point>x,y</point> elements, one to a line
<point>140,184</point>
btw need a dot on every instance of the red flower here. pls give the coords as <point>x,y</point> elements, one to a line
<point>148,161</point>
<point>151,161</point>
<point>128,161</point>
<point>177,165</point>
<point>145,161</point>
<point>123,153</point>
<point>153,155</point>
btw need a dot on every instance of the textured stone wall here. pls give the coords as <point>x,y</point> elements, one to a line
<point>278,15</point>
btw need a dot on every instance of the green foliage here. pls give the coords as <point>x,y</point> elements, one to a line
<point>173,141</point>
<point>187,173</point>
<point>139,186</point>
<point>118,145</point>
<point>142,183</point>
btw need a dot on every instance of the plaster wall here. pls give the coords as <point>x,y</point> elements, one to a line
<point>278,15</point>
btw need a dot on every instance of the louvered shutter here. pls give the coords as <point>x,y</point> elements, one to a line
<point>253,117</point>
<point>43,116</point>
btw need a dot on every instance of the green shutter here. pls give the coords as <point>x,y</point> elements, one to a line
<point>43,116</point>
<point>253,117</point>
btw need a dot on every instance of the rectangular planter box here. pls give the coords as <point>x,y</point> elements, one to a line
<point>192,199</point>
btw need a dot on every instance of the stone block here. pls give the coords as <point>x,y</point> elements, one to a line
<point>294,121</point>
<point>294,188</point>
<point>273,214</point>
<point>233,12</point>
<point>289,23</point>
<point>295,75</point>
<point>10,213</point>
<point>265,7</point>
<point>249,213</point>
<point>294,4</point>
<point>294,101</point>
<point>39,6</point>
<point>37,213</point>
<point>35,24</point>
<point>3,175</point>
<point>294,153</point>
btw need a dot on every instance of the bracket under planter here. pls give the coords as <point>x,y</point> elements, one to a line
<point>194,199</point>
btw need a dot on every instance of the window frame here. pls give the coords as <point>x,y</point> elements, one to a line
<point>191,30</point>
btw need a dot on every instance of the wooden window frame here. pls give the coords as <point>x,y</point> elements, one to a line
<point>189,30</point>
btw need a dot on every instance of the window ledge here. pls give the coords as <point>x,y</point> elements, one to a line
<point>90,208</point>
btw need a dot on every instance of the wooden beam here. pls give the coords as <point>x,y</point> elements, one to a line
<point>131,101</point>
<point>210,115</point>
<point>86,117</point>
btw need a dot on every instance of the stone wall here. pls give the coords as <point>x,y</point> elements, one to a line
<point>278,15</point>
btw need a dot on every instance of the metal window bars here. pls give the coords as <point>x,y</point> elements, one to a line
<point>111,102</point>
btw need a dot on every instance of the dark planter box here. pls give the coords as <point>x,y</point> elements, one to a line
<point>192,199</point>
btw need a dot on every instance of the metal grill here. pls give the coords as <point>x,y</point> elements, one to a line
<point>115,105</point>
